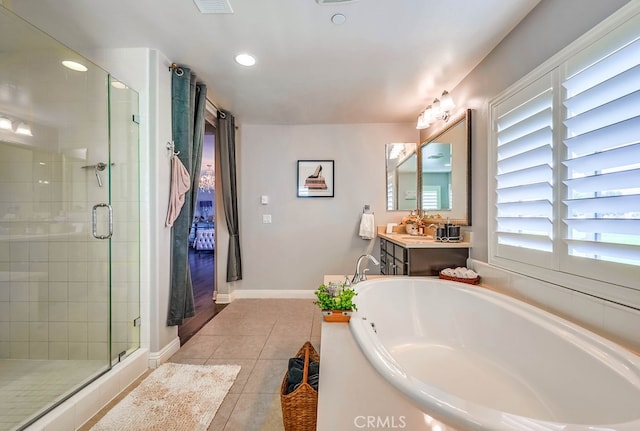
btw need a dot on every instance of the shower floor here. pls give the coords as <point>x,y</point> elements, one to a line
<point>28,386</point>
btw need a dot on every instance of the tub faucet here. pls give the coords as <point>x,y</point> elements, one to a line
<point>357,277</point>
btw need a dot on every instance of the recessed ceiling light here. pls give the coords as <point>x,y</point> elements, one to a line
<point>74,66</point>
<point>119,85</point>
<point>245,59</point>
<point>338,19</point>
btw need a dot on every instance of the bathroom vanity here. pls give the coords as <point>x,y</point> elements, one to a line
<point>403,254</point>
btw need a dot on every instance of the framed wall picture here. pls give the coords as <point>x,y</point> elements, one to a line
<point>315,178</point>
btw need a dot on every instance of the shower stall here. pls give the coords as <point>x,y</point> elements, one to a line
<point>69,222</point>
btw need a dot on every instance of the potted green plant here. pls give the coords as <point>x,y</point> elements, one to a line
<point>336,301</point>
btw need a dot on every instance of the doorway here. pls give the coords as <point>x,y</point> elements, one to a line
<point>202,242</point>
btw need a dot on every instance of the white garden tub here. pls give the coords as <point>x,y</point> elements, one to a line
<point>479,360</point>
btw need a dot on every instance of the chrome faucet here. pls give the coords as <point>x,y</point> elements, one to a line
<point>357,277</point>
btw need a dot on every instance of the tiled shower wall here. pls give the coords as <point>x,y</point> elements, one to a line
<point>53,273</point>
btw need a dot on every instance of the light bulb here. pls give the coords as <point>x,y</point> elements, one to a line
<point>24,129</point>
<point>5,124</point>
<point>428,115</point>
<point>422,124</point>
<point>435,109</point>
<point>446,101</point>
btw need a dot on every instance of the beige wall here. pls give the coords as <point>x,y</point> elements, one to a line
<point>310,237</point>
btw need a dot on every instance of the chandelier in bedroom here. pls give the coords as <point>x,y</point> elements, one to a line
<point>207,180</point>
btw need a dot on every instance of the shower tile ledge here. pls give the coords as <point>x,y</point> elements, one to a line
<point>81,407</point>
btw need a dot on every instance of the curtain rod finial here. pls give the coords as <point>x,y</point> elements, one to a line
<point>177,69</point>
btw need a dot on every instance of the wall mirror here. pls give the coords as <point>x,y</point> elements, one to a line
<point>401,173</point>
<point>444,183</point>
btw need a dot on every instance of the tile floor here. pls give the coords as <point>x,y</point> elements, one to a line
<point>28,386</point>
<point>260,335</point>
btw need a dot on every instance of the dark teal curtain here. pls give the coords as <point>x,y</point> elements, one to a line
<point>188,99</point>
<point>227,143</point>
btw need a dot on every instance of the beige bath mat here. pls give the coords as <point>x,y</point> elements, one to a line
<point>177,397</point>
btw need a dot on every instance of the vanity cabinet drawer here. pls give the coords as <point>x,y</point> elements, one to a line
<point>393,258</point>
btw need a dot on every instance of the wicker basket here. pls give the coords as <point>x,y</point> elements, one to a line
<point>299,408</point>
<point>461,280</point>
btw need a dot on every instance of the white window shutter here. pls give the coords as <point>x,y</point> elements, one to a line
<point>602,154</point>
<point>565,155</point>
<point>524,175</point>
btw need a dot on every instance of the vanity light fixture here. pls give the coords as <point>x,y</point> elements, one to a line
<point>74,65</point>
<point>245,60</point>
<point>24,129</point>
<point>397,151</point>
<point>6,124</point>
<point>438,110</point>
<point>424,119</point>
<point>442,107</point>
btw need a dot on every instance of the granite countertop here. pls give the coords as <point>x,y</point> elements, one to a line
<point>417,241</point>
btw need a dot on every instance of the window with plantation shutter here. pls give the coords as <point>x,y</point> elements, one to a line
<point>524,176</point>
<point>565,145</point>
<point>431,197</point>
<point>603,153</point>
<point>602,149</point>
<point>390,185</point>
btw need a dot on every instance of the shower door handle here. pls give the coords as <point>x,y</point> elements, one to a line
<point>94,217</point>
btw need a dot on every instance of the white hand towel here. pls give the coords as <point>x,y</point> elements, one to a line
<point>367,227</point>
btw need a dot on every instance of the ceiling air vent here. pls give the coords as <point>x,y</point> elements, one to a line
<point>335,1</point>
<point>213,6</point>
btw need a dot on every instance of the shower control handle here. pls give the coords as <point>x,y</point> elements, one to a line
<point>94,218</point>
<point>99,167</point>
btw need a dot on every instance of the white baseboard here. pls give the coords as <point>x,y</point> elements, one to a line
<point>158,358</point>
<point>278,294</point>
<point>224,298</point>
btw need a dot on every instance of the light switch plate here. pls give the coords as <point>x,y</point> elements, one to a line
<point>266,218</point>
<point>264,199</point>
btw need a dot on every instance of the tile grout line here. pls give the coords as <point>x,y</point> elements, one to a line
<point>242,391</point>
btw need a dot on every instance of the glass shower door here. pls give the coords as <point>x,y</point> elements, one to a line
<point>55,222</point>
<point>125,241</point>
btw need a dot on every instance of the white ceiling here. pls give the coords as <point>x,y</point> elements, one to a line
<point>384,64</point>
